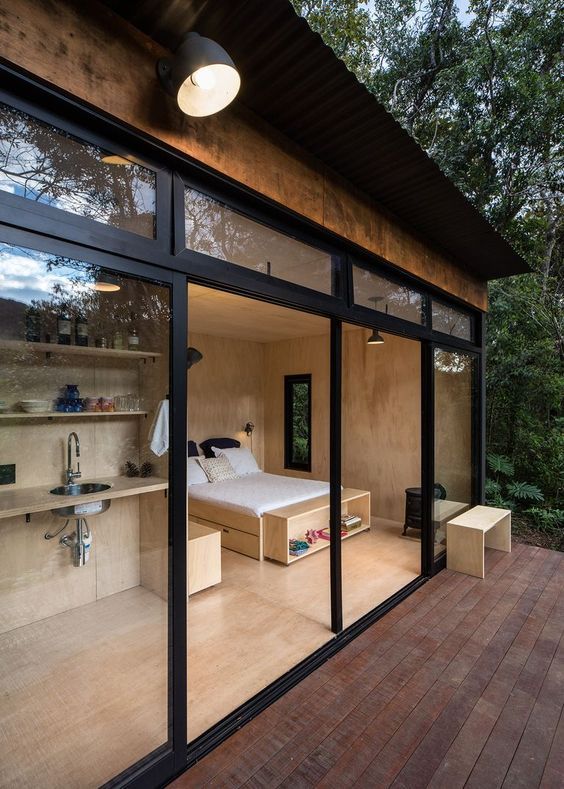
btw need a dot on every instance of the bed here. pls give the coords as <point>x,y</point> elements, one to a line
<point>237,507</point>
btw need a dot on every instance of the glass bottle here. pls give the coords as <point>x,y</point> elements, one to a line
<point>81,331</point>
<point>133,337</point>
<point>118,341</point>
<point>33,325</point>
<point>64,326</point>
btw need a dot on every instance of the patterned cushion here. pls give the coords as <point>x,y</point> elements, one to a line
<point>217,469</point>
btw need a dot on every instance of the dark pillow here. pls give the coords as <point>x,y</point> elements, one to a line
<point>192,449</point>
<point>220,443</point>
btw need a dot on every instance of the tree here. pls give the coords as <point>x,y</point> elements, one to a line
<point>480,90</point>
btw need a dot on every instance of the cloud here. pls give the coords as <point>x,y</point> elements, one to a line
<point>24,276</point>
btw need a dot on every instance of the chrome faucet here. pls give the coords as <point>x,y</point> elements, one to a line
<point>72,475</point>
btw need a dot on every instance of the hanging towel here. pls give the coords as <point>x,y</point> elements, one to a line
<point>158,435</point>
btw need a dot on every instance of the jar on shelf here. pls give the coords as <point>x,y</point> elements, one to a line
<point>81,331</point>
<point>64,326</point>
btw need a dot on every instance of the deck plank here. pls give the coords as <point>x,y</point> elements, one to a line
<point>461,685</point>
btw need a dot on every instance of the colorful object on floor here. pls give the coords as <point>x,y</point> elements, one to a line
<point>297,547</point>
<point>313,535</point>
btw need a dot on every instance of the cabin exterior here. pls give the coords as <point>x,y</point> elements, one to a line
<point>277,237</point>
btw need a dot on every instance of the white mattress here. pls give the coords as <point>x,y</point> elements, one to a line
<point>255,494</point>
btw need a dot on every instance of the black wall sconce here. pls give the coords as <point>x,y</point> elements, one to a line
<point>193,356</point>
<point>201,75</point>
<point>249,427</point>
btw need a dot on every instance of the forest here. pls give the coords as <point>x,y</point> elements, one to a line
<point>478,84</point>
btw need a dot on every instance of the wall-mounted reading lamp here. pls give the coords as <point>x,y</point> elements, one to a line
<point>193,356</point>
<point>249,427</point>
<point>201,75</point>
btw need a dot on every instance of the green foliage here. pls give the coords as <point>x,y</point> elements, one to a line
<point>507,493</point>
<point>480,88</point>
<point>500,465</point>
<point>522,491</point>
<point>300,422</point>
<point>546,520</point>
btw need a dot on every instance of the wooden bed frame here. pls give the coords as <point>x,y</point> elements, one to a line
<point>268,535</point>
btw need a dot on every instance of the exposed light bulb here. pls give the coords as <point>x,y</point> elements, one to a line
<point>204,78</point>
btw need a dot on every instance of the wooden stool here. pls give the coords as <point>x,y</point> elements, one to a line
<point>470,533</point>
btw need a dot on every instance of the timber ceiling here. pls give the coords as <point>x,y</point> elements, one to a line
<point>295,82</point>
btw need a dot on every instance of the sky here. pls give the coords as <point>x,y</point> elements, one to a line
<point>24,275</point>
<point>462,8</point>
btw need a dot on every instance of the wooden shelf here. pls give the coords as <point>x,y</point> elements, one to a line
<point>294,520</point>
<point>73,415</point>
<point>75,350</point>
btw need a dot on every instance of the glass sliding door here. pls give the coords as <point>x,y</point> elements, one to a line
<point>84,519</point>
<point>455,376</point>
<point>381,467</point>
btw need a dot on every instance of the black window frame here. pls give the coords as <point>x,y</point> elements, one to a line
<point>36,225</point>
<point>289,382</point>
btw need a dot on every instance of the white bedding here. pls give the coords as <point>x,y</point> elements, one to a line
<point>255,494</point>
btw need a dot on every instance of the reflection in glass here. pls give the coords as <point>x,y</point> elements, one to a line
<point>84,617</point>
<point>47,165</point>
<point>454,382</point>
<point>451,321</point>
<point>381,294</point>
<point>219,231</point>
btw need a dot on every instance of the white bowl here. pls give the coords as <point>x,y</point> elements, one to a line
<point>35,406</point>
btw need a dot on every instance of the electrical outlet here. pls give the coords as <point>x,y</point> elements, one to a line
<point>7,473</point>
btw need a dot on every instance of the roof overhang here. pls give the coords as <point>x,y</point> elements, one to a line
<point>291,79</point>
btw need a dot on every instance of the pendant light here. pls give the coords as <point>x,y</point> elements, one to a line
<point>106,282</point>
<point>201,75</point>
<point>375,339</point>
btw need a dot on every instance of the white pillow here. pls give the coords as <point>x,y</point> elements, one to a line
<point>242,459</point>
<point>196,473</point>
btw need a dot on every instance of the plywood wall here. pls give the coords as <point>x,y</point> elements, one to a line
<point>382,419</point>
<point>38,577</point>
<point>292,357</point>
<point>381,413</point>
<point>225,390</point>
<point>119,78</point>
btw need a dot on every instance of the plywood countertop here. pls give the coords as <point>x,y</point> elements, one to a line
<point>27,500</point>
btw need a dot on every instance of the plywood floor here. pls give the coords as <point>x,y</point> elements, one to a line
<point>265,617</point>
<point>461,685</point>
<point>92,681</point>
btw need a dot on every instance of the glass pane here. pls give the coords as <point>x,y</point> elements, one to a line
<point>250,621</point>
<point>381,294</point>
<point>45,164</point>
<point>215,229</point>
<point>381,468</point>
<point>454,386</point>
<point>450,321</point>
<point>84,614</point>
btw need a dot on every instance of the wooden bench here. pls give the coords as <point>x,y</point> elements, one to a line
<point>470,533</point>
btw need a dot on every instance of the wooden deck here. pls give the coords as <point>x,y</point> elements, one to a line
<point>462,684</point>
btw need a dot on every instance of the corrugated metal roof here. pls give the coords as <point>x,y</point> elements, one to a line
<point>296,83</point>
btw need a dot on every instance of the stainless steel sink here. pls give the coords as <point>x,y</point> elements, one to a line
<point>87,509</point>
<point>81,489</point>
